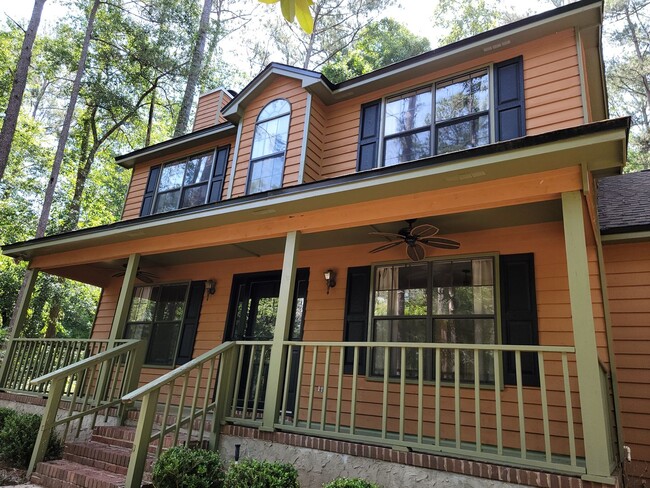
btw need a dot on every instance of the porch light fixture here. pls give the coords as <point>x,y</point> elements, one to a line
<point>330,279</point>
<point>210,287</point>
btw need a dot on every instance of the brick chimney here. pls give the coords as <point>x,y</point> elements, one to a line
<point>208,110</point>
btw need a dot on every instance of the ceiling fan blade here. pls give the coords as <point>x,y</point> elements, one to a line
<point>144,278</point>
<point>385,246</point>
<point>121,273</point>
<point>441,242</point>
<point>424,230</point>
<point>388,235</point>
<point>415,252</point>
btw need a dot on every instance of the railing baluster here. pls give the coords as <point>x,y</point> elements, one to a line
<point>195,399</point>
<point>296,407</point>
<point>569,409</point>
<point>384,400</point>
<point>247,385</point>
<point>163,420</point>
<point>310,404</point>
<point>287,379</point>
<point>402,392</point>
<point>420,394</point>
<point>240,366</point>
<point>206,397</point>
<point>477,400</point>
<point>542,387</point>
<point>520,406</point>
<point>323,413</point>
<point>457,396</point>
<point>353,399</point>
<point>339,390</point>
<point>87,382</point>
<point>258,382</point>
<point>437,399</point>
<point>497,401</point>
<point>179,411</point>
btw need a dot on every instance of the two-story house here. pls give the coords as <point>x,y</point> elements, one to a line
<point>405,269</point>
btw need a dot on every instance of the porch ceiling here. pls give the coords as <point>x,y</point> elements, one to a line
<point>100,273</point>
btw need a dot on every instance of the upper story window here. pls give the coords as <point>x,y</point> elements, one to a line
<point>269,147</point>
<point>451,115</point>
<point>183,183</point>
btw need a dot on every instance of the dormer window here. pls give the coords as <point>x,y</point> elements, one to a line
<point>269,147</point>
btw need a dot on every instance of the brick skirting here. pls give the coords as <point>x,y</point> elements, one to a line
<point>466,467</point>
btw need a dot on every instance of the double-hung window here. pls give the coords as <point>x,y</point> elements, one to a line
<point>441,301</point>
<point>183,183</point>
<point>449,116</point>
<point>269,147</point>
<point>156,315</point>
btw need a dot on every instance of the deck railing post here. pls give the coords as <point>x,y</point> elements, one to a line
<point>47,423</point>
<point>132,379</point>
<point>278,358</point>
<point>595,417</point>
<point>224,392</point>
<point>17,322</point>
<point>142,438</point>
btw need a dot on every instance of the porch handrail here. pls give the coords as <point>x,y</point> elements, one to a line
<point>436,345</point>
<point>90,386</point>
<point>218,364</point>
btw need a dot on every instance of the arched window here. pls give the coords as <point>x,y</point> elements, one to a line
<point>269,147</point>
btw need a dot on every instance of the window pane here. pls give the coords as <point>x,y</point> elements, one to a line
<point>401,330</point>
<point>163,343</point>
<point>167,201</point>
<point>198,169</point>
<point>463,287</point>
<point>271,137</point>
<point>407,148</point>
<point>463,135</point>
<point>171,304</point>
<point>142,305</point>
<point>138,331</point>
<point>274,109</point>
<point>408,112</point>
<point>194,196</point>
<point>401,290</point>
<point>266,174</point>
<point>172,176</point>
<point>462,96</point>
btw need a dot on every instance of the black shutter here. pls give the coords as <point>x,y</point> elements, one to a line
<point>218,173</point>
<point>191,322</point>
<point>369,136</point>
<point>519,316</point>
<point>357,297</point>
<point>509,99</point>
<point>150,191</point>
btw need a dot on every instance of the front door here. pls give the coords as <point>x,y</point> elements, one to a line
<point>252,315</point>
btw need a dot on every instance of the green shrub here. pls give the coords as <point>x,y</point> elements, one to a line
<point>183,467</point>
<point>18,437</point>
<point>4,414</point>
<point>350,483</point>
<point>251,473</point>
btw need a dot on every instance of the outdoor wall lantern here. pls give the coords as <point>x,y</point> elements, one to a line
<point>210,287</point>
<point>330,279</point>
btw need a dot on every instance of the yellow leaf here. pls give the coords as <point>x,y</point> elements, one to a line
<point>268,2</point>
<point>288,9</point>
<point>303,14</point>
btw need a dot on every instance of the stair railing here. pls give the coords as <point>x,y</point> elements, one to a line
<point>87,388</point>
<point>194,399</point>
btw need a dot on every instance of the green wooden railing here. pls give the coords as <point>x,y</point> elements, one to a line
<point>27,359</point>
<point>87,389</point>
<point>451,399</point>
<point>194,398</point>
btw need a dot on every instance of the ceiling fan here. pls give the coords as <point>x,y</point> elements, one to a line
<point>144,276</point>
<point>415,239</point>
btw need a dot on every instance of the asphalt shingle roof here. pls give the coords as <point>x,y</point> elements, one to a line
<point>624,202</point>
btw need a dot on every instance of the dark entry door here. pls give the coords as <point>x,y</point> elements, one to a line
<point>252,315</point>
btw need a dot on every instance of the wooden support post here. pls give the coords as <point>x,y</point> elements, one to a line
<point>141,440</point>
<point>224,392</point>
<point>18,321</point>
<point>47,423</point>
<point>124,300</point>
<point>281,332</point>
<point>595,417</point>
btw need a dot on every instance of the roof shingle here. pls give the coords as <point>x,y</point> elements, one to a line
<point>624,202</point>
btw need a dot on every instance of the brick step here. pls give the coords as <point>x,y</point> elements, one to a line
<point>99,455</point>
<point>63,473</point>
<point>124,436</point>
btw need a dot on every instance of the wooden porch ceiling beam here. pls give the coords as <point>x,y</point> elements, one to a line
<point>517,190</point>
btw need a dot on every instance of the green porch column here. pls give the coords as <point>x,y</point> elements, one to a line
<point>18,319</point>
<point>124,300</point>
<point>595,415</point>
<point>282,328</point>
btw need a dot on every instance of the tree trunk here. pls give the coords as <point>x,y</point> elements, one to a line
<point>195,70</point>
<point>152,106</point>
<point>58,157</point>
<point>18,87</point>
<point>53,315</point>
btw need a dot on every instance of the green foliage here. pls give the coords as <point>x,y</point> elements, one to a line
<point>5,413</point>
<point>350,483</point>
<point>18,437</point>
<point>379,44</point>
<point>464,18</point>
<point>251,473</point>
<point>181,467</point>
